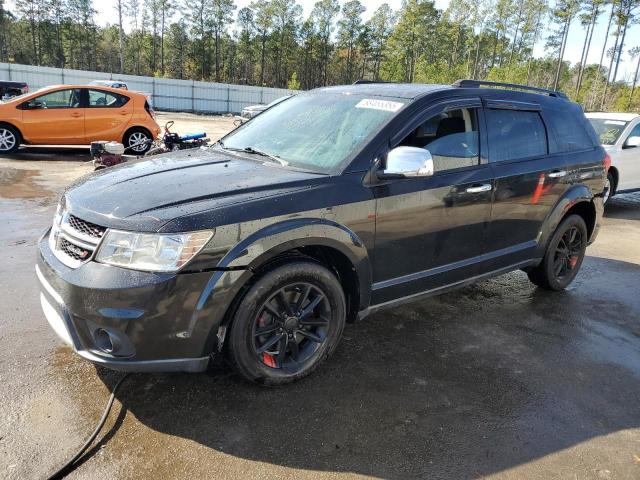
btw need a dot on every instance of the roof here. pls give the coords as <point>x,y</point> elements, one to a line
<point>399,90</point>
<point>627,117</point>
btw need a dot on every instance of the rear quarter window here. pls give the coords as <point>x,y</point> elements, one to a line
<point>569,131</point>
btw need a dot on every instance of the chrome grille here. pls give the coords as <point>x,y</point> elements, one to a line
<point>86,228</point>
<point>73,240</point>
<point>77,253</point>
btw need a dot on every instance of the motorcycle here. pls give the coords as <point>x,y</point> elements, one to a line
<point>107,154</point>
<point>172,141</point>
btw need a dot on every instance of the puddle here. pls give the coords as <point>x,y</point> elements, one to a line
<point>18,183</point>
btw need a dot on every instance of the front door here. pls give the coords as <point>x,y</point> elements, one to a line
<point>430,231</point>
<point>55,118</point>
<point>628,162</point>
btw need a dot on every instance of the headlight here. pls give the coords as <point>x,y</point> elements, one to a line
<point>152,252</point>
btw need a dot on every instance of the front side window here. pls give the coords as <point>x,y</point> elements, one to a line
<point>515,134</point>
<point>608,130</point>
<point>451,137</point>
<point>59,99</point>
<point>315,131</point>
<point>99,98</point>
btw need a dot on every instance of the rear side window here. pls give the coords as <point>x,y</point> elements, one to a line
<point>100,98</point>
<point>515,134</point>
<point>569,134</point>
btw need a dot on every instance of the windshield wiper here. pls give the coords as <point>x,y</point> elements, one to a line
<point>255,151</point>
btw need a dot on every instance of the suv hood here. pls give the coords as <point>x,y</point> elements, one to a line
<point>146,194</point>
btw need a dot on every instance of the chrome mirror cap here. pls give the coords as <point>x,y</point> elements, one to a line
<point>409,162</point>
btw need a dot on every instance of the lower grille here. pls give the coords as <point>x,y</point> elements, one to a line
<point>74,251</point>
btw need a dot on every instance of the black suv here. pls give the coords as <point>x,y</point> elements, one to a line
<point>323,209</point>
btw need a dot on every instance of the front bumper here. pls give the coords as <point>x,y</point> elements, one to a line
<point>150,318</point>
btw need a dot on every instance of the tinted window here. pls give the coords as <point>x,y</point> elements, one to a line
<point>569,133</point>
<point>59,99</point>
<point>515,134</point>
<point>98,98</point>
<point>451,137</point>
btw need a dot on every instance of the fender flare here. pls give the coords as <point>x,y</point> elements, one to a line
<point>237,267</point>
<point>578,193</point>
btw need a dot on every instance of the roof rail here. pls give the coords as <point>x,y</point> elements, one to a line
<point>365,82</point>
<point>516,86</point>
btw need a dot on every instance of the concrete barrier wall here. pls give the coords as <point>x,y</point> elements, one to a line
<point>166,94</point>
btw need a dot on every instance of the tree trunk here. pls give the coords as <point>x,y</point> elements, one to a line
<point>586,48</point>
<point>635,81</point>
<point>120,36</point>
<point>624,34</point>
<point>613,56</point>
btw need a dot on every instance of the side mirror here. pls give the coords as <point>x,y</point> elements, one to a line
<point>405,162</point>
<point>33,105</point>
<point>632,142</point>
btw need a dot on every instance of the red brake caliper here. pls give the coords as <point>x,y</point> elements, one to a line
<point>267,358</point>
<point>572,261</point>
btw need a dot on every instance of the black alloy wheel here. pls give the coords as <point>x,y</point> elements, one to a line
<point>291,326</point>
<point>287,323</point>
<point>564,255</point>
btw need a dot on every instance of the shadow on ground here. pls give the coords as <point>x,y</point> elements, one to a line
<point>462,385</point>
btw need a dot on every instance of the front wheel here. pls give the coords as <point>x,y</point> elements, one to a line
<point>564,255</point>
<point>9,139</point>
<point>288,323</point>
<point>609,184</point>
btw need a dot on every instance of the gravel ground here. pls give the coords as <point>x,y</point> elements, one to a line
<point>497,380</point>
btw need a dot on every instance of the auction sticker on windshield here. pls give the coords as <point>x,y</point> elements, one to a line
<point>376,104</point>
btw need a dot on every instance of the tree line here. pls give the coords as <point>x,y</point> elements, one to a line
<point>270,43</point>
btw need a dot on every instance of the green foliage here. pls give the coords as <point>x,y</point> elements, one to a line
<point>268,42</point>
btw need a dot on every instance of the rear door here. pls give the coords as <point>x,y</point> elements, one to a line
<point>529,180</point>
<point>107,115</point>
<point>55,118</point>
<point>628,162</point>
<point>430,231</point>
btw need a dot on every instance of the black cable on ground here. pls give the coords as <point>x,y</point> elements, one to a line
<point>71,464</point>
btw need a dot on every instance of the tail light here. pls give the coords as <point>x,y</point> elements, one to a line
<point>606,162</point>
<point>149,110</point>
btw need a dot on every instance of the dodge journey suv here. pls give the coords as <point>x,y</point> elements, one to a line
<point>327,207</point>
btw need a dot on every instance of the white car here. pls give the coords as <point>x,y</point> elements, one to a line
<point>110,83</point>
<point>619,134</point>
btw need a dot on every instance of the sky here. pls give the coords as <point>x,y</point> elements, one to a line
<point>572,53</point>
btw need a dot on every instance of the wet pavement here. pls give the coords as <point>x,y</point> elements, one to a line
<point>498,380</point>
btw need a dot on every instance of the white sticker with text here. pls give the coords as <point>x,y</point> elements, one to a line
<point>375,104</point>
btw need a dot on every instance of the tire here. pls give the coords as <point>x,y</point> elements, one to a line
<point>134,136</point>
<point>564,255</point>
<point>9,139</point>
<point>308,338</point>
<point>611,182</point>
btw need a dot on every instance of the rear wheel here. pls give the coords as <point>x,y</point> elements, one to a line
<point>564,255</point>
<point>9,139</point>
<point>288,323</point>
<point>137,141</point>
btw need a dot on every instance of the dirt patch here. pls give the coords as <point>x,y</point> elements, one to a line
<point>18,183</point>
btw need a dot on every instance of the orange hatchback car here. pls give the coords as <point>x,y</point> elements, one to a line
<point>77,115</point>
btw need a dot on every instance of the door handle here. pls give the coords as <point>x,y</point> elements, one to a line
<point>485,187</point>
<point>557,174</point>
<point>124,113</point>
<point>76,114</point>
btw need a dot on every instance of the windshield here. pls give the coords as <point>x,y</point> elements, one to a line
<point>318,132</point>
<point>608,131</point>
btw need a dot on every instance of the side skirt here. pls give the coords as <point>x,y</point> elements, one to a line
<point>445,288</point>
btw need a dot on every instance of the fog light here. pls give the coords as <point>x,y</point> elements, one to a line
<point>103,340</point>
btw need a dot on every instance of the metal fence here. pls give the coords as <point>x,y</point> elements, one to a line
<point>166,94</point>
